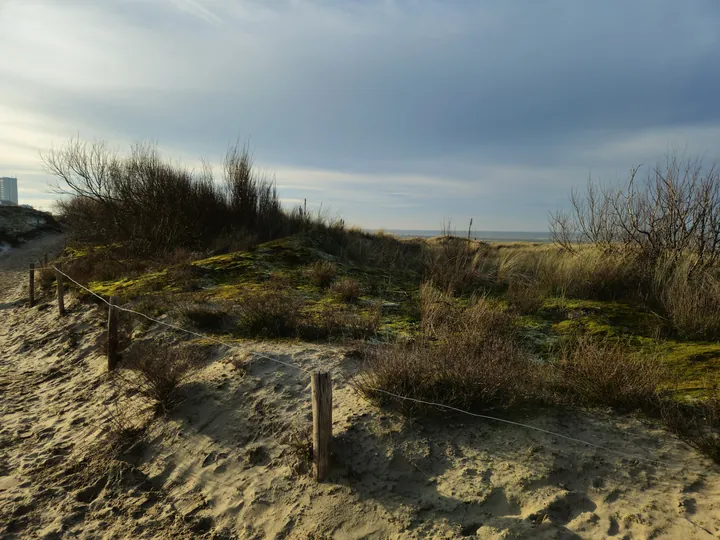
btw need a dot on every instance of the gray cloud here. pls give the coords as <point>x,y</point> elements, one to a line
<point>513,99</point>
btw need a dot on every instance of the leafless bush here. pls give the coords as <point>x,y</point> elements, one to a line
<point>299,441</point>
<point>608,372</point>
<point>443,317</point>
<point>346,290</point>
<point>321,273</point>
<point>494,373</point>
<point>269,313</point>
<point>154,207</point>
<point>673,212</point>
<point>155,370</point>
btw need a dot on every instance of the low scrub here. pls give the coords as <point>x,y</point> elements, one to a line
<point>269,313</point>
<point>345,322</point>
<point>601,372</point>
<point>321,273</point>
<point>494,373</point>
<point>346,290</point>
<point>156,370</point>
<point>45,277</point>
<point>468,357</point>
<point>205,317</point>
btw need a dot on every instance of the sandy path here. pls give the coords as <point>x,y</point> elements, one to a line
<point>14,263</point>
<point>223,465</point>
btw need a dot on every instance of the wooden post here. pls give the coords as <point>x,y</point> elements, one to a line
<point>32,284</point>
<point>112,338</point>
<point>45,260</point>
<point>322,423</point>
<point>60,290</point>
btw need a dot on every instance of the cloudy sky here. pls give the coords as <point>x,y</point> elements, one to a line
<point>393,113</point>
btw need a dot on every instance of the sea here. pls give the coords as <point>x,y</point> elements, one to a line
<point>487,236</point>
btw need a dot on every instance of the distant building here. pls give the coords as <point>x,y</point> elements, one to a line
<point>3,202</point>
<point>8,189</point>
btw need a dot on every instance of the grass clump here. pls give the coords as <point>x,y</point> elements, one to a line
<point>205,317</point>
<point>525,297</point>
<point>343,321</point>
<point>346,290</point>
<point>321,273</point>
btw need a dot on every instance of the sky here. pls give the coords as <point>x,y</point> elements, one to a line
<point>398,114</point>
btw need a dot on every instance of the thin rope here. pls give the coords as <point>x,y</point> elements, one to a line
<point>178,328</point>
<point>518,424</point>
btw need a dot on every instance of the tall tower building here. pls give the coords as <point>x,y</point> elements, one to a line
<point>8,189</point>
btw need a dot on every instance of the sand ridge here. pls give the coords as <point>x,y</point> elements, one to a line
<point>224,465</point>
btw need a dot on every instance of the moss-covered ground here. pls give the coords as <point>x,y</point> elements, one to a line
<point>391,295</point>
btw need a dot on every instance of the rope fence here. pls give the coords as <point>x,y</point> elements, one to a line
<point>321,385</point>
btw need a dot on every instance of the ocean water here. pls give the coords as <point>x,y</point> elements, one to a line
<point>489,236</point>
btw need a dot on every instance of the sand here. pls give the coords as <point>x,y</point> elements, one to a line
<point>224,464</point>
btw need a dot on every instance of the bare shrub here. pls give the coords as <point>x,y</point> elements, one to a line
<point>468,357</point>
<point>608,372</point>
<point>184,276</point>
<point>269,313</point>
<point>321,273</point>
<point>673,211</point>
<point>346,290</point>
<point>155,370</point>
<point>155,207</point>
<point>495,373</point>
<point>438,311</point>
<point>443,317</point>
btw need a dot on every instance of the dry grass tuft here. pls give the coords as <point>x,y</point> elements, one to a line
<point>346,290</point>
<point>608,372</point>
<point>525,297</point>
<point>321,273</point>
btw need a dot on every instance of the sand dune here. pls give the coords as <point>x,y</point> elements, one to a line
<point>224,464</point>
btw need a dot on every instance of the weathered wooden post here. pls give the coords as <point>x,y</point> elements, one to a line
<point>32,284</point>
<point>60,290</point>
<point>322,423</point>
<point>45,261</point>
<point>112,337</point>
